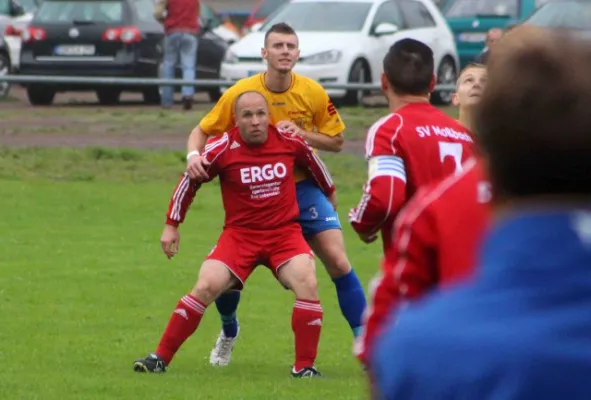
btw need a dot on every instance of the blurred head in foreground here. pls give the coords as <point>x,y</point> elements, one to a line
<point>534,119</point>
<point>251,113</point>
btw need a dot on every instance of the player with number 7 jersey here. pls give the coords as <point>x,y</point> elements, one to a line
<point>406,150</point>
<point>414,145</point>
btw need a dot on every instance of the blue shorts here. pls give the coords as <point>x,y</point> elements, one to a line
<point>316,213</point>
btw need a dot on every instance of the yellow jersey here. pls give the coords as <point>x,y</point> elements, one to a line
<point>305,103</point>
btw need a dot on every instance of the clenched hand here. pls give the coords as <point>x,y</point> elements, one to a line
<point>197,166</point>
<point>368,237</point>
<point>290,127</point>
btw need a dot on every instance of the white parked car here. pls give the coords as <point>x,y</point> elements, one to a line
<point>12,35</point>
<point>345,41</point>
<point>15,16</point>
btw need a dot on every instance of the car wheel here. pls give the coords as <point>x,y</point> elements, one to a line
<point>108,96</point>
<point>358,74</point>
<point>152,95</point>
<point>40,95</point>
<point>446,75</point>
<point>4,70</point>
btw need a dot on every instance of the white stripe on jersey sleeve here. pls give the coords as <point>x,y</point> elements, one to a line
<point>387,166</point>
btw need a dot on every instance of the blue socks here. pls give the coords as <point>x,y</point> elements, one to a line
<point>227,304</point>
<point>349,293</point>
<point>351,300</point>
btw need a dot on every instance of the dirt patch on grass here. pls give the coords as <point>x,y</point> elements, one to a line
<point>150,141</point>
<point>77,120</point>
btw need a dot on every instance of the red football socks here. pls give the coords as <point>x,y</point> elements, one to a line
<point>183,322</point>
<point>306,323</point>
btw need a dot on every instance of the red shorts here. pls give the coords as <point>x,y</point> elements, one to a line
<point>242,250</point>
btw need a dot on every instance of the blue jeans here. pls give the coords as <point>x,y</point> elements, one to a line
<point>183,46</point>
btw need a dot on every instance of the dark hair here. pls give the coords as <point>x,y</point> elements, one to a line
<point>282,28</point>
<point>409,67</point>
<point>534,120</point>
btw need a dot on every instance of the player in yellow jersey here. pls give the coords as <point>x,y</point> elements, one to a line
<point>302,106</point>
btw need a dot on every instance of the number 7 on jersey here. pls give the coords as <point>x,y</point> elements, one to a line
<point>454,150</point>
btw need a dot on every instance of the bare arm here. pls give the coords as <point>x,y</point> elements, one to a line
<point>196,163</point>
<point>317,140</point>
<point>324,142</point>
<point>196,141</point>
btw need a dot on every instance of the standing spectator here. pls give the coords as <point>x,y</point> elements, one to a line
<point>492,36</point>
<point>181,24</point>
<point>521,328</point>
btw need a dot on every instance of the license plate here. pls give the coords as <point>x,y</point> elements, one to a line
<point>472,37</point>
<point>74,50</point>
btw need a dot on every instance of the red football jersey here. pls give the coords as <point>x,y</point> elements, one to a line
<point>257,182</point>
<point>417,145</point>
<point>436,240</point>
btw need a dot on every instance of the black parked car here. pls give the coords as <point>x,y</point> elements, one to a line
<point>104,38</point>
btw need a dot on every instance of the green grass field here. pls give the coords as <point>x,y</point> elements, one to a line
<point>85,289</point>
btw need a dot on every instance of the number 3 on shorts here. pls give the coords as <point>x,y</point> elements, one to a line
<point>454,150</point>
<point>313,212</point>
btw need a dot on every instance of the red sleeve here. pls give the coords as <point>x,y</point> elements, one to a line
<point>181,200</point>
<point>185,191</point>
<point>307,158</point>
<point>384,194</point>
<point>408,271</point>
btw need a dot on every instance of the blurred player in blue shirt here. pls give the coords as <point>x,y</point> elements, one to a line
<point>522,328</point>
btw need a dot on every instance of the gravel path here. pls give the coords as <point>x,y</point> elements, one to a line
<point>13,131</point>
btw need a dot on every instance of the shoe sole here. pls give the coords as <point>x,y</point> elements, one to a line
<point>218,364</point>
<point>139,367</point>
<point>306,376</point>
<point>215,362</point>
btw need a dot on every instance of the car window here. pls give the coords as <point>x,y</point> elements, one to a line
<point>321,16</point>
<point>29,5</point>
<point>266,7</point>
<point>206,13</point>
<point>390,13</point>
<point>540,3</point>
<point>570,15</point>
<point>483,8</point>
<point>91,11</point>
<point>5,7</point>
<point>416,14</point>
<point>144,9</point>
